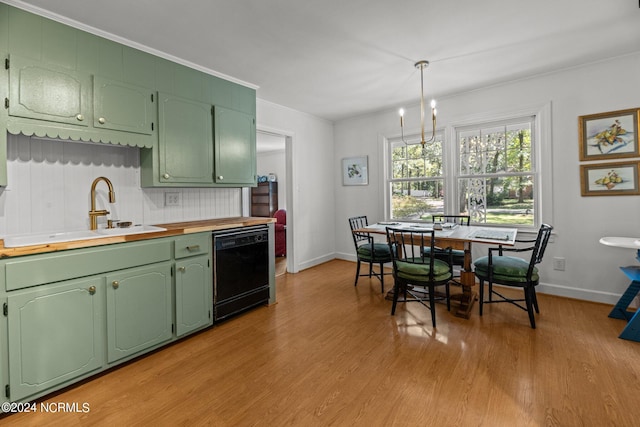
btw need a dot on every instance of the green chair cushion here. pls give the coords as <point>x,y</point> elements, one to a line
<point>505,268</point>
<point>420,272</point>
<point>382,253</point>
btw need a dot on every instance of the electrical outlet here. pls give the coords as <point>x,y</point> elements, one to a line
<point>172,199</point>
<point>559,264</point>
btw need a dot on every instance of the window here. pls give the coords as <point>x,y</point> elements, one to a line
<point>496,179</point>
<point>417,183</point>
<point>488,169</point>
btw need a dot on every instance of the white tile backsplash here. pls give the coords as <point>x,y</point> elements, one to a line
<point>49,183</point>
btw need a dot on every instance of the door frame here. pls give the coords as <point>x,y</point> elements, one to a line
<point>292,266</point>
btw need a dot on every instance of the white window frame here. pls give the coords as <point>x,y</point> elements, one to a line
<point>542,166</point>
<point>389,180</point>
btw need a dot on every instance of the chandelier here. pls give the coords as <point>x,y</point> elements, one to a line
<point>421,65</point>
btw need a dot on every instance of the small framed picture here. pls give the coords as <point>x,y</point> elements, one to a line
<point>610,179</point>
<point>609,135</point>
<point>355,171</point>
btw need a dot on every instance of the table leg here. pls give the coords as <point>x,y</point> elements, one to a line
<point>632,329</point>
<point>467,280</point>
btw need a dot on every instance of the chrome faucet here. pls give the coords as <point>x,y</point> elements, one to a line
<point>93,213</point>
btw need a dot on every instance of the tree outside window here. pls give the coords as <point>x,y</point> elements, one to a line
<point>417,180</point>
<point>494,179</point>
<point>496,175</point>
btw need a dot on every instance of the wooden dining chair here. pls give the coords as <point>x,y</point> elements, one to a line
<point>417,273</point>
<point>368,251</point>
<point>513,271</point>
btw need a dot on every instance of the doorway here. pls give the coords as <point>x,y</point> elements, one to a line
<point>273,160</point>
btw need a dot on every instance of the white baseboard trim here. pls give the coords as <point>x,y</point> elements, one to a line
<point>316,261</point>
<point>346,257</point>
<point>576,293</point>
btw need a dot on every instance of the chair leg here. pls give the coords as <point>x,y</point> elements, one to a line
<point>529,301</point>
<point>396,291</point>
<point>481,295</point>
<point>432,304</point>
<point>370,268</point>
<point>535,299</point>
<point>357,272</point>
<point>448,296</point>
<point>381,279</point>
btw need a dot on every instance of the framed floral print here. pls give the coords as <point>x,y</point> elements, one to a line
<point>610,179</point>
<point>355,171</point>
<point>609,135</point>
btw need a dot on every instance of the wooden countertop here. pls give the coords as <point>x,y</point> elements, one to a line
<point>173,229</point>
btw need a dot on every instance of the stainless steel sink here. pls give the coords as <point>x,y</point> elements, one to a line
<point>17,241</point>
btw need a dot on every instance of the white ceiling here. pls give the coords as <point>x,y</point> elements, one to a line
<point>340,58</point>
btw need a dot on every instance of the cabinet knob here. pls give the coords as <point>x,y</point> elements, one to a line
<point>92,290</point>
<point>101,120</point>
<point>220,177</point>
<point>166,176</point>
<point>181,269</point>
<point>115,284</point>
<point>80,117</point>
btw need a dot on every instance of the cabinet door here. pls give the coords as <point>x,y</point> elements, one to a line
<point>185,140</point>
<point>47,92</point>
<point>235,147</point>
<point>138,309</point>
<point>194,294</point>
<point>56,333</point>
<point>122,106</point>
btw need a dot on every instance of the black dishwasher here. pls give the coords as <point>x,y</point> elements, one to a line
<point>241,270</point>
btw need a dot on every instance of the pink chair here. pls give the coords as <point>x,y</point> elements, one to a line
<point>281,232</point>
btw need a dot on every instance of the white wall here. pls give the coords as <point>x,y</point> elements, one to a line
<point>591,269</point>
<point>310,181</point>
<point>275,162</point>
<point>49,185</point>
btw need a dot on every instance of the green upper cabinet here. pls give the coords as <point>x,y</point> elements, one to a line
<point>50,100</point>
<point>186,140</point>
<point>122,106</point>
<point>235,147</point>
<point>62,82</point>
<point>50,93</point>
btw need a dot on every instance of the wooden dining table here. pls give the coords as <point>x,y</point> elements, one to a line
<point>456,237</point>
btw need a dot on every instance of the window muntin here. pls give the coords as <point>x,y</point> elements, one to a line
<point>496,174</point>
<point>417,184</point>
<point>490,169</point>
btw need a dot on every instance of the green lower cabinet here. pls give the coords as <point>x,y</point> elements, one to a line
<point>139,309</point>
<point>56,333</point>
<point>194,298</point>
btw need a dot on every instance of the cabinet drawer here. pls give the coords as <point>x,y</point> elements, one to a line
<point>260,189</point>
<point>259,210</point>
<point>260,199</point>
<point>48,268</point>
<point>190,245</point>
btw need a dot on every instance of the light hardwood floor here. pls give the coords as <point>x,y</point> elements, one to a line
<point>329,353</point>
